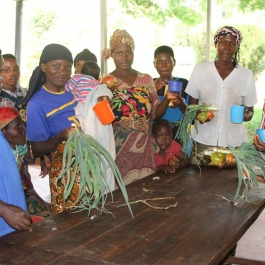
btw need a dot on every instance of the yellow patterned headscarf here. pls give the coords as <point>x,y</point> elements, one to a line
<point>118,37</point>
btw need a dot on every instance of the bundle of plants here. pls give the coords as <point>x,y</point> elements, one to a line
<point>193,114</point>
<point>248,161</point>
<point>90,160</point>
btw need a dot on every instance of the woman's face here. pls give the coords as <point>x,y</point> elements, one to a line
<point>79,66</point>
<point>57,73</point>
<point>11,72</point>
<point>226,47</point>
<point>123,57</point>
<point>164,64</point>
<point>15,132</point>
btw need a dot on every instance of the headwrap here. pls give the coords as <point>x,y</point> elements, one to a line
<point>226,30</point>
<point>53,52</point>
<point>7,114</point>
<point>118,37</point>
<point>85,55</point>
<point>50,52</point>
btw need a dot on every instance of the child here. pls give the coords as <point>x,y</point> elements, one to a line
<point>164,62</point>
<point>91,68</point>
<point>169,148</point>
<point>80,85</point>
<point>13,130</point>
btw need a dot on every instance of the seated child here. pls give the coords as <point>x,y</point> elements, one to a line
<point>91,68</point>
<point>169,148</point>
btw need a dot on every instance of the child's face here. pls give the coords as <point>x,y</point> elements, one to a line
<point>163,136</point>
<point>15,132</point>
<point>164,64</point>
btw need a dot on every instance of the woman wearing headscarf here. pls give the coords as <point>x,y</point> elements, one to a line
<point>135,103</point>
<point>81,58</point>
<point>50,113</point>
<point>11,95</point>
<point>15,133</point>
<point>224,83</point>
<point>13,209</point>
<point>13,215</point>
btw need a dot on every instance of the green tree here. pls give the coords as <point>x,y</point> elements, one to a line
<point>189,12</point>
<point>43,22</point>
<point>173,9</point>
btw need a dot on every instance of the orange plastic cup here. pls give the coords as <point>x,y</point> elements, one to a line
<point>104,112</point>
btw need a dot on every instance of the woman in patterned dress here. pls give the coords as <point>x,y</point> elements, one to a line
<point>50,113</point>
<point>135,103</point>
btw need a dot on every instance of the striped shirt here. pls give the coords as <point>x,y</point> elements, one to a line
<point>80,85</point>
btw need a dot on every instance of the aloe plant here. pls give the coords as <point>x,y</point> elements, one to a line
<point>90,159</point>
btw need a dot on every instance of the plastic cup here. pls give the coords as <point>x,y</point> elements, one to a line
<point>104,112</point>
<point>174,87</point>
<point>261,134</point>
<point>237,114</point>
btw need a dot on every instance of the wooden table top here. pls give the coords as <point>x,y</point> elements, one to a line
<point>201,229</point>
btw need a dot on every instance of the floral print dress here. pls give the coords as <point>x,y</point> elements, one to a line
<point>134,108</point>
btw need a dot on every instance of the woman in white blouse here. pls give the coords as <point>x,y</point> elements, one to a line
<point>224,83</point>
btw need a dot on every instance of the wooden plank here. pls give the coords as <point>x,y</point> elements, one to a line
<point>202,229</point>
<point>70,260</point>
<point>141,226</point>
<point>81,234</point>
<point>240,261</point>
<point>25,255</point>
<point>186,240</point>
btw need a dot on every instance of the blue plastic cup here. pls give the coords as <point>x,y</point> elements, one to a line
<point>174,87</point>
<point>261,134</point>
<point>237,114</point>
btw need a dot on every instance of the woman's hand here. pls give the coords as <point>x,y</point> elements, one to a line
<point>259,144</point>
<point>177,101</point>
<point>64,134</point>
<point>248,113</point>
<point>204,116</point>
<point>45,167</point>
<point>15,217</point>
<point>159,84</point>
<point>104,98</point>
<point>171,96</point>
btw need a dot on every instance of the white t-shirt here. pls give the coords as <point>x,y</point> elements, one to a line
<point>238,88</point>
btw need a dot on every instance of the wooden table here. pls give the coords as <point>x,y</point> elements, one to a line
<point>201,229</point>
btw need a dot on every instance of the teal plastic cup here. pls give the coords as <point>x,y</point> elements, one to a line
<point>261,134</point>
<point>237,114</point>
<point>174,87</point>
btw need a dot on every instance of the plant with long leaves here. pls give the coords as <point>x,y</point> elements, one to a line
<point>91,160</point>
<point>248,158</point>
<point>189,118</point>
